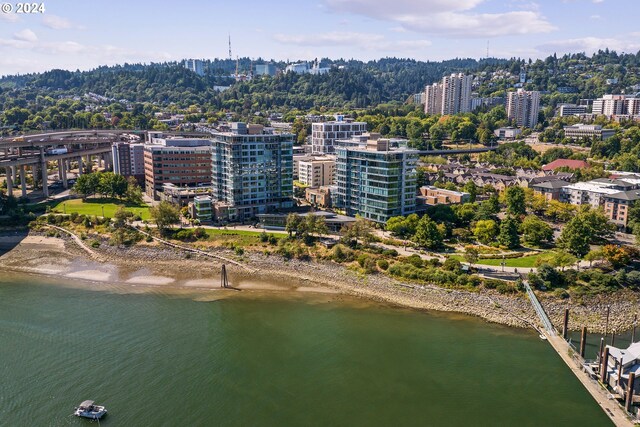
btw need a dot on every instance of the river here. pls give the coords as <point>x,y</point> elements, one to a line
<point>158,359</point>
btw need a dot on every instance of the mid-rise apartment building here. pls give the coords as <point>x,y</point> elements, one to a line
<point>316,171</point>
<point>180,161</point>
<point>451,96</point>
<point>323,135</point>
<point>252,172</point>
<point>376,182</point>
<point>581,131</point>
<point>128,160</point>
<point>617,105</point>
<point>565,110</point>
<point>523,107</point>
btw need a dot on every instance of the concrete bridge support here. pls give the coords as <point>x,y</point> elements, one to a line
<point>23,181</point>
<point>80,166</point>
<point>63,168</point>
<point>9,173</point>
<point>34,174</point>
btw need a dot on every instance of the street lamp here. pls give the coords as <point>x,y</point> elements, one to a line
<point>102,211</point>
<point>503,263</point>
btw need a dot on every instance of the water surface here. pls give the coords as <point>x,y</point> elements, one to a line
<point>160,360</point>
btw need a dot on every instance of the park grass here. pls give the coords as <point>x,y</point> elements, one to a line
<point>94,207</point>
<point>212,232</point>
<point>525,261</point>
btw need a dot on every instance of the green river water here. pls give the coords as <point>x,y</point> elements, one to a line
<point>156,359</point>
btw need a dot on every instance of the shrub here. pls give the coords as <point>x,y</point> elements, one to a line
<point>390,252</point>
<point>264,237</point>
<point>239,251</point>
<point>200,233</point>
<point>95,243</point>
<point>383,264</point>
<point>561,293</point>
<point>185,235</point>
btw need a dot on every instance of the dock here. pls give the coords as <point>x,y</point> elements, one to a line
<point>601,395</point>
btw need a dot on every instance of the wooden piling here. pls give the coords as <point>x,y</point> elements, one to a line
<point>601,349</point>
<point>633,332</point>
<point>224,281</point>
<point>583,340</point>
<point>604,366</point>
<point>565,324</point>
<point>629,401</point>
<point>613,337</point>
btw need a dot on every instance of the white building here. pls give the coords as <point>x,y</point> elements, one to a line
<point>195,65</point>
<point>323,135</point>
<point>451,96</point>
<point>306,68</point>
<point>523,107</point>
<point>507,133</point>
<point>580,131</point>
<point>565,110</point>
<point>317,171</point>
<point>616,105</point>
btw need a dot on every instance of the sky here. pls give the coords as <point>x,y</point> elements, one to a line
<point>86,34</point>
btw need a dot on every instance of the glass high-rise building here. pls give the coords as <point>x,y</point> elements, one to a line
<point>376,181</point>
<point>252,171</point>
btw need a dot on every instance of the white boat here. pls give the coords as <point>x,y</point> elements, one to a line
<point>543,337</point>
<point>88,409</point>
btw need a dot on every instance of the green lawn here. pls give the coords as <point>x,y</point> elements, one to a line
<point>525,261</point>
<point>94,207</point>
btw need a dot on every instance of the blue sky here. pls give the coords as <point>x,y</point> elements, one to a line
<point>85,34</point>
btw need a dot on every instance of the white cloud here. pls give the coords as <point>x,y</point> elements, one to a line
<point>598,1</point>
<point>595,17</point>
<point>366,41</point>
<point>9,17</point>
<point>590,45</point>
<point>59,23</point>
<point>447,17</point>
<point>25,35</point>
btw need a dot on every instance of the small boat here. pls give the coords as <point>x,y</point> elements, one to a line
<point>543,337</point>
<point>88,409</point>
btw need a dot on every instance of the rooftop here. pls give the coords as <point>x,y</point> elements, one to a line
<point>571,164</point>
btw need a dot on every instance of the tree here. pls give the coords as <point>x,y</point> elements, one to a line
<point>121,217</point>
<point>428,234</point>
<point>133,195</point>
<point>488,209</point>
<point>508,236</point>
<point>471,188</point>
<point>164,214</point>
<point>293,224</point>
<point>556,259</point>
<point>471,255</point>
<point>594,255</point>
<point>87,185</point>
<point>403,227</point>
<point>112,185</point>
<point>486,231</point>
<point>535,231</point>
<point>617,256</point>
<point>361,229</point>
<point>515,200</point>
<point>575,237</point>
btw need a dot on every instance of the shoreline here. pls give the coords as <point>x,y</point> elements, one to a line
<point>156,267</point>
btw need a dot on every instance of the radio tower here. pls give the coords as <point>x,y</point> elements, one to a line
<point>230,57</point>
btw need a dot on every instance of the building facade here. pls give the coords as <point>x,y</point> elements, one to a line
<point>451,96</point>
<point>252,172</point>
<point>581,131</point>
<point>181,162</point>
<point>523,107</point>
<point>268,69</point>
<point>316,172</point>
<point>128,160</point>
<point>195,65</point>
<point>323,135</point>
<point>376,181</point>
<point>565,110</point>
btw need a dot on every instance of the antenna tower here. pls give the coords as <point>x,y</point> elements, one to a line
<point>230,57</point>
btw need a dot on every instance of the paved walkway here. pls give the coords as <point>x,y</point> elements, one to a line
<point>610,406</point>
<point>93,254</point>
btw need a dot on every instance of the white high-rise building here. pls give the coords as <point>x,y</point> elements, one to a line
<point>523,107</point>
<point>323,135</point>
<point>195,65</point>
<point>451,96</point>
<point>616,105</point>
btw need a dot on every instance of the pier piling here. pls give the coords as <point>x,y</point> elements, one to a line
<point>565,324</point>
<point>224,281</point>
<point>629,401</point>
<point>604,365</point>
<point>583,340</point>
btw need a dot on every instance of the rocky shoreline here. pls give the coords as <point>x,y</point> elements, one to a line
<point>170,267</point>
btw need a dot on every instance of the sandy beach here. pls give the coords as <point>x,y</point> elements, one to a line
<point>154,267</point>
